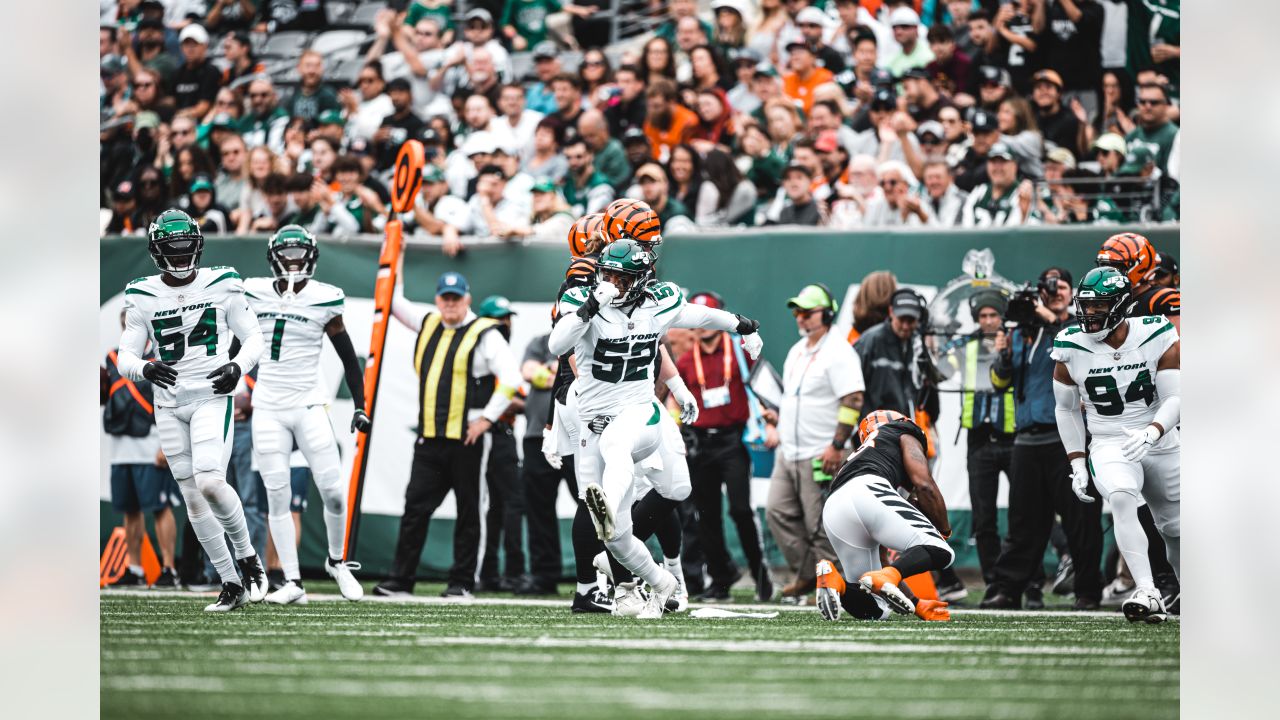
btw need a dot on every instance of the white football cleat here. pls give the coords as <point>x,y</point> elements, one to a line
<point>679,602</point>
<point>1145,604</point>
<point>350,588</point>
<point>254,577</point>
<point>601,515</point>
<point>601,563</point>
<point>232,596</point>
<point>288,594</point>
<point>628,599</point>
<point>658,596</point>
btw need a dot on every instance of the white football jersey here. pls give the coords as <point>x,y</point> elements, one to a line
<point>1118,384</point>
<point>190,327</point>
<point>293,332</point>
<point>618,357</point>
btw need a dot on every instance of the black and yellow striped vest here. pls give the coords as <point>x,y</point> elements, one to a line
<point>446,389</point>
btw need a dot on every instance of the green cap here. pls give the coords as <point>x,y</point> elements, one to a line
<point>146,119</point>
<point>432,173</point>
<point>331,117</point>
<point>1137,158</point>
<point>201,183</point>
<point>813,296</point>
<point>496,306</point>
<point>544,185</point>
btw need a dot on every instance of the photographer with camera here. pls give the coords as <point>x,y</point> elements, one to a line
<point>1040,477</point>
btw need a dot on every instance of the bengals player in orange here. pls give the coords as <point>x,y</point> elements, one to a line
<point>1135,256</point>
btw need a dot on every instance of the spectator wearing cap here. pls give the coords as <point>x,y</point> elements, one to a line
<point>821,400</point>
<point>740,96</point>
<point>546,65</point>
<point>1109,149</point>
<point>609,157</point>
<point>1001,200</point>
<point>125,219</point>
<point>1017,41</point>
<point>653,183</point>
<point>805,74</point>
<point>955,136</point>
<point>1057,161</point>
<point>856,81</point>
<point>455,413</point>
<point>202,205</point>
<point>1167,273</point>
<point>195,83</point>
<point>150,52</point>
<point>219,127</point>
<point>492,212</point>
<point>516,119</point>
<point>418,52</point>
<point>1154,128</point>
<point>888,353</point>
<point>951,67</point>
<point>994,87</point>
<point>667,123</point>
<point>1059,125</point>
<point>924,101</point>
<point>890,136</point>
<point>1018,130</point>
<point>906,31</point>
<point>519,183</point>
<point>945,201</point>
<point>115,95</point>
<point>436,213</point>
<point>628,109</point>
<point>266,121</point>
<point>311,98</point>
<point>826,116</point>
<point>1072,41</point>
<point>237,51</point>
<point>813,25</point>
<point>525,22</point>
<point>369,104</point>
<point>932,138</point>
<point>233,171</point>
<point>897,205</point>
<point>731,24</point>
<point>546,162</point>
<point>549,218</point>
<point>766,163</point>
<point>477,33</point>
<point>766,84</point>
<point>801,207</point>
<point>401,125</point>
<point>585,188</point>
<point>318,209</point>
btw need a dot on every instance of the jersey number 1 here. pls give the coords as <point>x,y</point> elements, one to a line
<point>173,346</point>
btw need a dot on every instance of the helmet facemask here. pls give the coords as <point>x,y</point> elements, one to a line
<point>1098,316</point>
<point>293,259</point>
<point>178,256</point>
<point>630,284</point>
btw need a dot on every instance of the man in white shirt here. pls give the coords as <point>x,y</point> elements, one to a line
<point>822,396</point>
<point>517,119</point>
<point>492,213</point>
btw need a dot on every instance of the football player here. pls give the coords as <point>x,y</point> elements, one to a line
<point>866,513</point>
<point>190,315</point>
<point>1135,257</point>
<point>614,329</point>
<point>1129,371</point>
<point>297,312</point>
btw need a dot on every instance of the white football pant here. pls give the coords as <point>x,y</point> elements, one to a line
<point>1157,478</point>
<point>867,513</point>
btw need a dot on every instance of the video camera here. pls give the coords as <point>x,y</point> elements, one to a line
<point>1023,302</point>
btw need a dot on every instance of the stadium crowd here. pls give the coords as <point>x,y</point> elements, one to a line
<point>838,113</point>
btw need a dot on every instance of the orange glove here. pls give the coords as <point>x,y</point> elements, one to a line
<point>933,610</point>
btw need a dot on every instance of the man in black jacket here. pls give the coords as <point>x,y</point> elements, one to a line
<point>887,352</point>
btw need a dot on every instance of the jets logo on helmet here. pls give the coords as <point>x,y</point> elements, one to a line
<point>292,253</point>
<point>1100,296</point>
<point>1131,254</point>
<point>870,424</point>
<point>632,219</point>
<point>586,234</point>
<point>629,266</point>
<point>175,243</point>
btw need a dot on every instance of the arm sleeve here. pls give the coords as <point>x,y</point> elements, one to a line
<point>133,342</point>
<point>408,313</point>
<point>1070,421</point>
<point>350,366</point>
<point>1169,386</point>
<point>502,363</point>
<point>344,223</point>
<point>244,324</point>
<point>701,316</point>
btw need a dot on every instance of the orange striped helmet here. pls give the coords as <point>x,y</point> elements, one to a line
<point>1131,254</point>
<point>586,234</point>
<point>581,268</point>
<point>634,219</point>
<point>871,423</point>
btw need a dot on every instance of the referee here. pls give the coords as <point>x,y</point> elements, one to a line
<point>458,356</point>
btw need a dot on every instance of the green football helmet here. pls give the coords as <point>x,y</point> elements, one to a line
<point>292,253</point>
<point>496,307</point>
<point>1100,299</point>
<point>629,266</point>
<point>175,243</point>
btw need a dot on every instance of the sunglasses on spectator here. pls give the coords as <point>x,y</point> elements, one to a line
<point>1150,101</point>
<point>930,140</point>
<point>801,312</point>
<point>256,95</point>
<point>991,83</point>
<point>889,183</point>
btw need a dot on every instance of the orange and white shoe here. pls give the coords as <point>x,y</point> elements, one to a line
<point>830,587</point>
<point>884,582</point>
<point>934,610</point>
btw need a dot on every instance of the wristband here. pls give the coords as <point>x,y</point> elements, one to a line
<point>848,416</point>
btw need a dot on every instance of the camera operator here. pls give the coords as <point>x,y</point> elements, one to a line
<point>1039,481</point>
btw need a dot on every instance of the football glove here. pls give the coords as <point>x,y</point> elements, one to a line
<point>360,422</point>
<point>934,610</point>
<point>553,458</point>
<point>1139,442</point>
<point>225,378</point>
<point>684,398</point>
<point>602,294</point>
<point>752,344</point>
<point>1080,480</point>
<point>160,373</point>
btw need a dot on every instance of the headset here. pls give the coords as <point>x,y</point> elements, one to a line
<point>828,312</point>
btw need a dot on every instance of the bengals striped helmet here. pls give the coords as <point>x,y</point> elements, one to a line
<point>1131,254</point>
<point>871,423</point>
<point>586,235</point>
<point>632,219</point>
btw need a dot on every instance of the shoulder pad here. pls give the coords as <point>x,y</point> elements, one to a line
<point>135,281</point>
<point>328,295</point>
<point>1070,339</point>
<point>1151,327</point>
<point>141,286</point>
<point>225,275</point>
<point>667,295</point>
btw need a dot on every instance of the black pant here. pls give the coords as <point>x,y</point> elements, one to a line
<point>439,466</point>
<point>504,520</point>
<point>541,484</point>
<point>721,459</point>
<point>1039,486</point>
<point>988,455</point>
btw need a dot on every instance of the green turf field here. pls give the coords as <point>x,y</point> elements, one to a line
<point>162,657</point>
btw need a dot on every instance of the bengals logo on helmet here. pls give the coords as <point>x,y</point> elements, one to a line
<point>586,235</point>
<point>1131,254</point>
<point>871,423</point>
<point>634,219</point>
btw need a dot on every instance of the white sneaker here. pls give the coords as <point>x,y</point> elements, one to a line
<point>601,515</point>
<point>628,599</point>
<point>658,596</point>
<point>601,563</point>
<point>1145,604</point>
<point>288,594</point>
<point>680,601</point>
<point>350,588</point>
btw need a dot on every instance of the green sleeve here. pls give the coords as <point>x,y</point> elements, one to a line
<point>508,9</point>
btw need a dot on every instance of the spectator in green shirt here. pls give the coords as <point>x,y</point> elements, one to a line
<point>610,157</point>
<point>1154,128</point>
<point>682,9</point>
<point>524,22</point>
<point>438,10</point>
<point>586,189</point>
<point>311,98</point>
